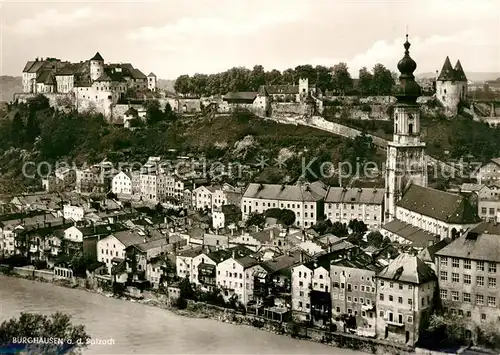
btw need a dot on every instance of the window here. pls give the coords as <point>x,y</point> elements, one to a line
<point>454,296</point>
<point>381,296</point>
<point>400,300</point>
<point>492,282</point>
<point>492,302</point>
<point>483,316</point>
<point>469,314</point>
<point>410,302</point>
<point>466,297</point>
<point>444,275</point>
<point>480,281</point>
<point>479,300</point>
<point>391,298</point>
<point>349,299</point>
<point>391,285</point>
<point>492,268</point>
<point>355,300</point>
<point>480,265</point>
<point>361,300</point>
<point>444,261</point>
<point>443,294</point>
<point>455,277</point>
<point>400,286</point>
<point>467,279</point>
<point>410,319</point>
<point>467,264</point>
<point>455,262</point>
<point>362,288</point>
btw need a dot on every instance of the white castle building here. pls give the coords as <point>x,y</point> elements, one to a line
<point>90,84</point>
<point>451,86</point>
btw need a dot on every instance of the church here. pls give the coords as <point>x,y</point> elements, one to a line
<point>409,202</point>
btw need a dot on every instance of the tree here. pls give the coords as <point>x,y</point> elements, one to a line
<point>448,329</point>
<point>338,229</point>
<point>357,226</point>
<point>365,81</point>
<point>182,84</point>
<point>273,77</point>
<point>341,79</point>
<point>257,77</point>
<point>382,81</point>
<point>55,326</point>
<point>255,219</point>
<point>153,112</point>
<point>288,77</point>
<point>375,238</point>
<point>306,72</point>
<point>284,216</point>
<point>323,78</point>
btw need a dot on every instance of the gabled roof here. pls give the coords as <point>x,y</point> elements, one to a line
<point>152,74</point>
<point>263,91</point>
<point>408,268</point>
<point>459,72</point>
<point>97,56</point>
<point>447,72</point>
<point>440,205</point>
<point>355,195</point>
<point>481,243</point>
<point>46,77</point>
<point>137,74</point>
<point>282,263</point>
<point>28,65</point>
<point>104,77</point>
<point>428,254</point>
<point>247,261</point>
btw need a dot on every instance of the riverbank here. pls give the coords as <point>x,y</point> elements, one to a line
<point>202,310</point>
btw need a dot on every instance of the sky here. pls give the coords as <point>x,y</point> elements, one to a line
<point>171,38</point>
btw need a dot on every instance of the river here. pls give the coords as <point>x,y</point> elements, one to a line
<point>139,329</point>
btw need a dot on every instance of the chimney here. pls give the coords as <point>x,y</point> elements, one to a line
<point>234,254</point>
<point>301,257</point>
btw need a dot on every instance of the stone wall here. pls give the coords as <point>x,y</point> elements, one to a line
<point>281,109</point>
<point>58,100</point>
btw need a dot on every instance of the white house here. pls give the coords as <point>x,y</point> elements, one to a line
<point>306,201</point>
<point>111,249</point>
<point>235,277</point>
<point>364,204</point>
<point>202,197</point>
<point>122,183</point>
<point>184,263</point>
<point>76,213</point>
<point>489,173</point>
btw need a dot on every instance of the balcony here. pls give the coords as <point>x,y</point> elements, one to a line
<point>394,323</point>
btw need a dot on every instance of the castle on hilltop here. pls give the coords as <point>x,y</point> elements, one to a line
<point>90,84</point>
<point>451,86</point>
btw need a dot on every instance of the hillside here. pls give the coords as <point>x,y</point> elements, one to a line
<point>37,133</point>
<point>9,85</point>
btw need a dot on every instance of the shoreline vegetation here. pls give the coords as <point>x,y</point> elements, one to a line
<point>207,311</point>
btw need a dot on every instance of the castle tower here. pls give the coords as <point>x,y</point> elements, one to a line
<point>406,163</point>
<point>152,82</point>
<point>451,86</point>
<point>96,67</point>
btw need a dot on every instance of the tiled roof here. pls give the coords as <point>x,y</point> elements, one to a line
<point>282,263</point>
<point>152,74</point>
<point>137,74</point>
<point>418,237</point>
<point>128,238</point>
<point>408,268</point>
<point>244,95</point>
<point>496,161</point>
<point>265,235</point>
<point>247,261</point>
<point>46,77</point>
<point>36,67</point>
<point>440,205</point>
<point>97,56</point>
<point>191,252</point>
<point>355,195</point>
<point>306,193</point>
<point>481,243</point>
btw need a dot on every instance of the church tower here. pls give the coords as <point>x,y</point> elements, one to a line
<point>96,67</point>
<point>406,163</point>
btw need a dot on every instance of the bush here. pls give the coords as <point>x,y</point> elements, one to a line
<point>180,303</point>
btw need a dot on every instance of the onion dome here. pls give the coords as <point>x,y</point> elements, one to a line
<point>408,90</point>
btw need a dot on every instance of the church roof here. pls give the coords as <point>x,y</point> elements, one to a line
<point>440,205</point>
<point>407,90</point>
<point>97,56</point>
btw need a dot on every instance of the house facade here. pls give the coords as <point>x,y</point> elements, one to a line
<point>345,204</point>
